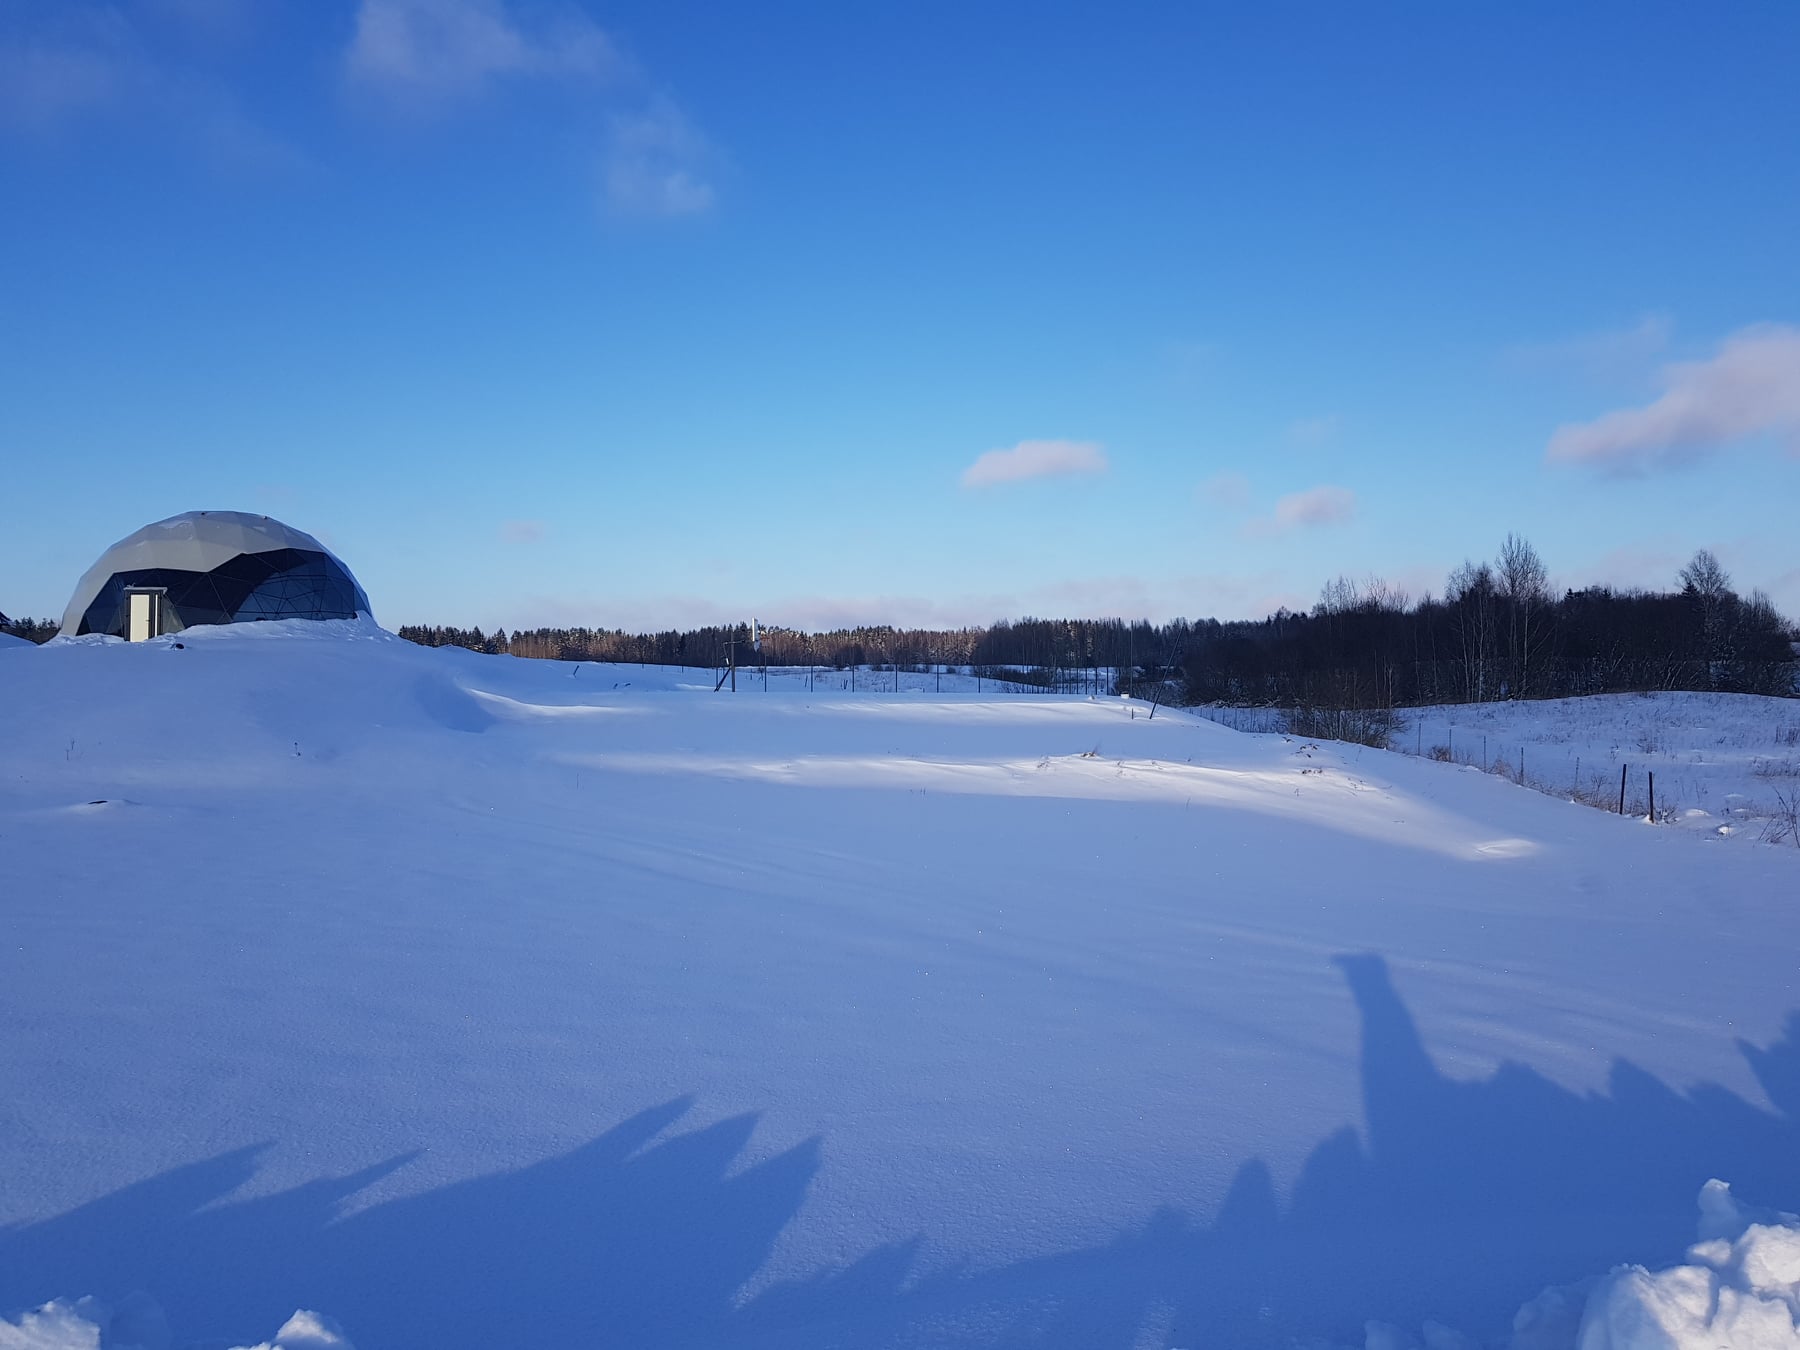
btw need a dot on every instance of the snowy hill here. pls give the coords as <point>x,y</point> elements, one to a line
<point>483,1002</point>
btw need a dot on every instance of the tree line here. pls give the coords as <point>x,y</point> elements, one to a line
<point>1031,650</point>
<point>32,630</point>
<point>1496,632</point>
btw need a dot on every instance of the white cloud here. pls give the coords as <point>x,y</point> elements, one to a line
<point>523,531</point>
<point>1227,489</point>
<point>437,49</point>
<point>654,164</point>
<point>1035,459</point>
<point>1322,505</point>
<point>1750,388</point>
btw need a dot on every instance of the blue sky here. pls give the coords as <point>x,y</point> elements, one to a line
<point>646,315</point>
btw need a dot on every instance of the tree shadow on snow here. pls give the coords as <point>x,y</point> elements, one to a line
<point>637,1238</point>
<point>1464,1200</point>
<point>1460,1202</point>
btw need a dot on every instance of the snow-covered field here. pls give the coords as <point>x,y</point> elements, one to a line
<point>1727,764</point>
<point>479,1002</point>
<point>1720,764</point>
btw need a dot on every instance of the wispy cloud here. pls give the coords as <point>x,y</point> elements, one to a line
<point>1162,596</point>
<point>66,66</point>
<point>1192,364</point>
<point>1784,590</point>
<point>655,164</point>
<point>1648,564</point>
<point>422,57</point>
<point>1751,387</point>
<point>1314,430</point>
<point>523,531</point>
<point>444,49</point>
<point>52,72</point>
<point>1228,489</point>
<point>1035,459</point>
<point>1323,505</point>
<point>1608,355</point>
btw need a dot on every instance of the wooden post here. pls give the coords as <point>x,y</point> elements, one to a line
<point>1622,769</point>
<point>1653,796</point>
<point>1521,766</point>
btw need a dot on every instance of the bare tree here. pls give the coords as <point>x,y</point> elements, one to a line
<point>1525,586</point>
<point>1470,594</point>
<point>1707,585</point>
<point>1338,596</point>
<point>1705,577</point>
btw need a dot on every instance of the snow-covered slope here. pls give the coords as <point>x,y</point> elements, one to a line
<point>1723,764</point>
<point>486,1002</point>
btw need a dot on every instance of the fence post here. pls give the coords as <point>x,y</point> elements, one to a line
<point>1653,796</point>
<point>1622,769</point>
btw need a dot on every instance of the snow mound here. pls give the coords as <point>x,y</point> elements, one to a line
<point>138,1324</point>
<point>1738,1290</point>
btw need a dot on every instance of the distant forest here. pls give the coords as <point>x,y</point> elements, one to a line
<point>1496,632</point>
<point>32,630</point>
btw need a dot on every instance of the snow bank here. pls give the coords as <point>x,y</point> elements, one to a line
<point>138,1324</point>
<point>1740,1289</point>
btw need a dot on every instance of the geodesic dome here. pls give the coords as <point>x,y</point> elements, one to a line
<point>215,567</point>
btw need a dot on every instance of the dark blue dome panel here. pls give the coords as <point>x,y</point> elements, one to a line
<point>215,567</point>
